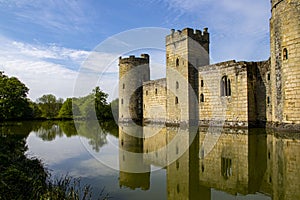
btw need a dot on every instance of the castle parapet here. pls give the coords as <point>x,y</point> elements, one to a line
<point>195,34</point>
<point>202,37</point>
<point>144,58</point>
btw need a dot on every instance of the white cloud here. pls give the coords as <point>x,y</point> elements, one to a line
<point>29,63</point>
<point>57,70</point>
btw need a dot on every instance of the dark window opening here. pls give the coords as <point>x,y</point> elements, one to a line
<point>226,167</point>
<point>177,164</point>
<point>268,100</point>
<point>147,92</point>
<point>177,62</point>
<point>176,100</point>
<point>202,83</point>
<point>123,86</point>
<point>177,150</point>
<point>201,98</point>
<point>122,101</point>
<point>155,90</point>
<point>269,76</point>
<point>202,168</point>
<point>177,85</point>
<point>285,54</point>
<point>225,86</point>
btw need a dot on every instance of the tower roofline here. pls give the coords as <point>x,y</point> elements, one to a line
<point>131,58</point>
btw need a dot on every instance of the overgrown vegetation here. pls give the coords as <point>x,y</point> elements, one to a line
<point>24,178</point>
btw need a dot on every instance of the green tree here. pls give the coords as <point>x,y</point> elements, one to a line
<point>96,105</point>
<point>13,98</point>
<point>69,109</point>
<point>103,111</point>
<point>49,105</point>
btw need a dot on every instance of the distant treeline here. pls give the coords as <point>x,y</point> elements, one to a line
<point>15,105</point>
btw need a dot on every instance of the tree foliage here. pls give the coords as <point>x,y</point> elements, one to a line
<point>14,104</point>
<point>49,105</point>
<point>69,109</point>
<point>13,98</point>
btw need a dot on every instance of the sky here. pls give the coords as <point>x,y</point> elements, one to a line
<point>60,46</point>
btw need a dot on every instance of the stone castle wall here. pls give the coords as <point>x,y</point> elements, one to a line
<point>285,61</point>
<point>241,94</point>
<point>229,108</point>
<point>185,50</point>
<point>154,100</point>
<point>133,72</point>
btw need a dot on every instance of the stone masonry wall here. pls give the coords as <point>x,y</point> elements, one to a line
<point>185,50</point>
<point>133,71</point>
<point>154,100</point>
<point>231,109</point>
<point>285,61</point>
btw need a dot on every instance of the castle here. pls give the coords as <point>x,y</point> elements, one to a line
<point>233,94</point>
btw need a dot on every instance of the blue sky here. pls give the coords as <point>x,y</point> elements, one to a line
<point>44,43</point>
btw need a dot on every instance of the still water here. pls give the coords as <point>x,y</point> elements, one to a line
<point>157,162</point>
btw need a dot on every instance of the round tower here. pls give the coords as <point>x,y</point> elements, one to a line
<point>285,61</point>
<point>133,72</point>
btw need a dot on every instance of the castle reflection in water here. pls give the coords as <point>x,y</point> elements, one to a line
<point>199,161</point>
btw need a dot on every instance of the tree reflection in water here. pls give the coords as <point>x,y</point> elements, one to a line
<point>93,131</point>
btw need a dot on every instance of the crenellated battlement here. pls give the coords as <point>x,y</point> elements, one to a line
<point>144,58</point>
<point>200,36</point>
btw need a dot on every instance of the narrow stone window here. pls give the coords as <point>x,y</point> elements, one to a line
<point>268,76</point>
<point>146,92</point>
<point>123,157</point>
<point>122,101</point>
<point>177,85</point>
<point>155,90</point>
<point>176,100</point>
<point>225,86</point>
<point>202,83</point>
<point>177,164</point>
<point>268,100</point>
<point>177,62</point>
<point>226,167</point>
<point>201,97</point>
<point>228,88</point>
<point>123,86</point>
<point>285,54</point>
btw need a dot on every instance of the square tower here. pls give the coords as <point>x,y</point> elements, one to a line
<point>186,50</point>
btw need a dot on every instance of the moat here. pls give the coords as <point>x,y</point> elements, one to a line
<point>173,162</point>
